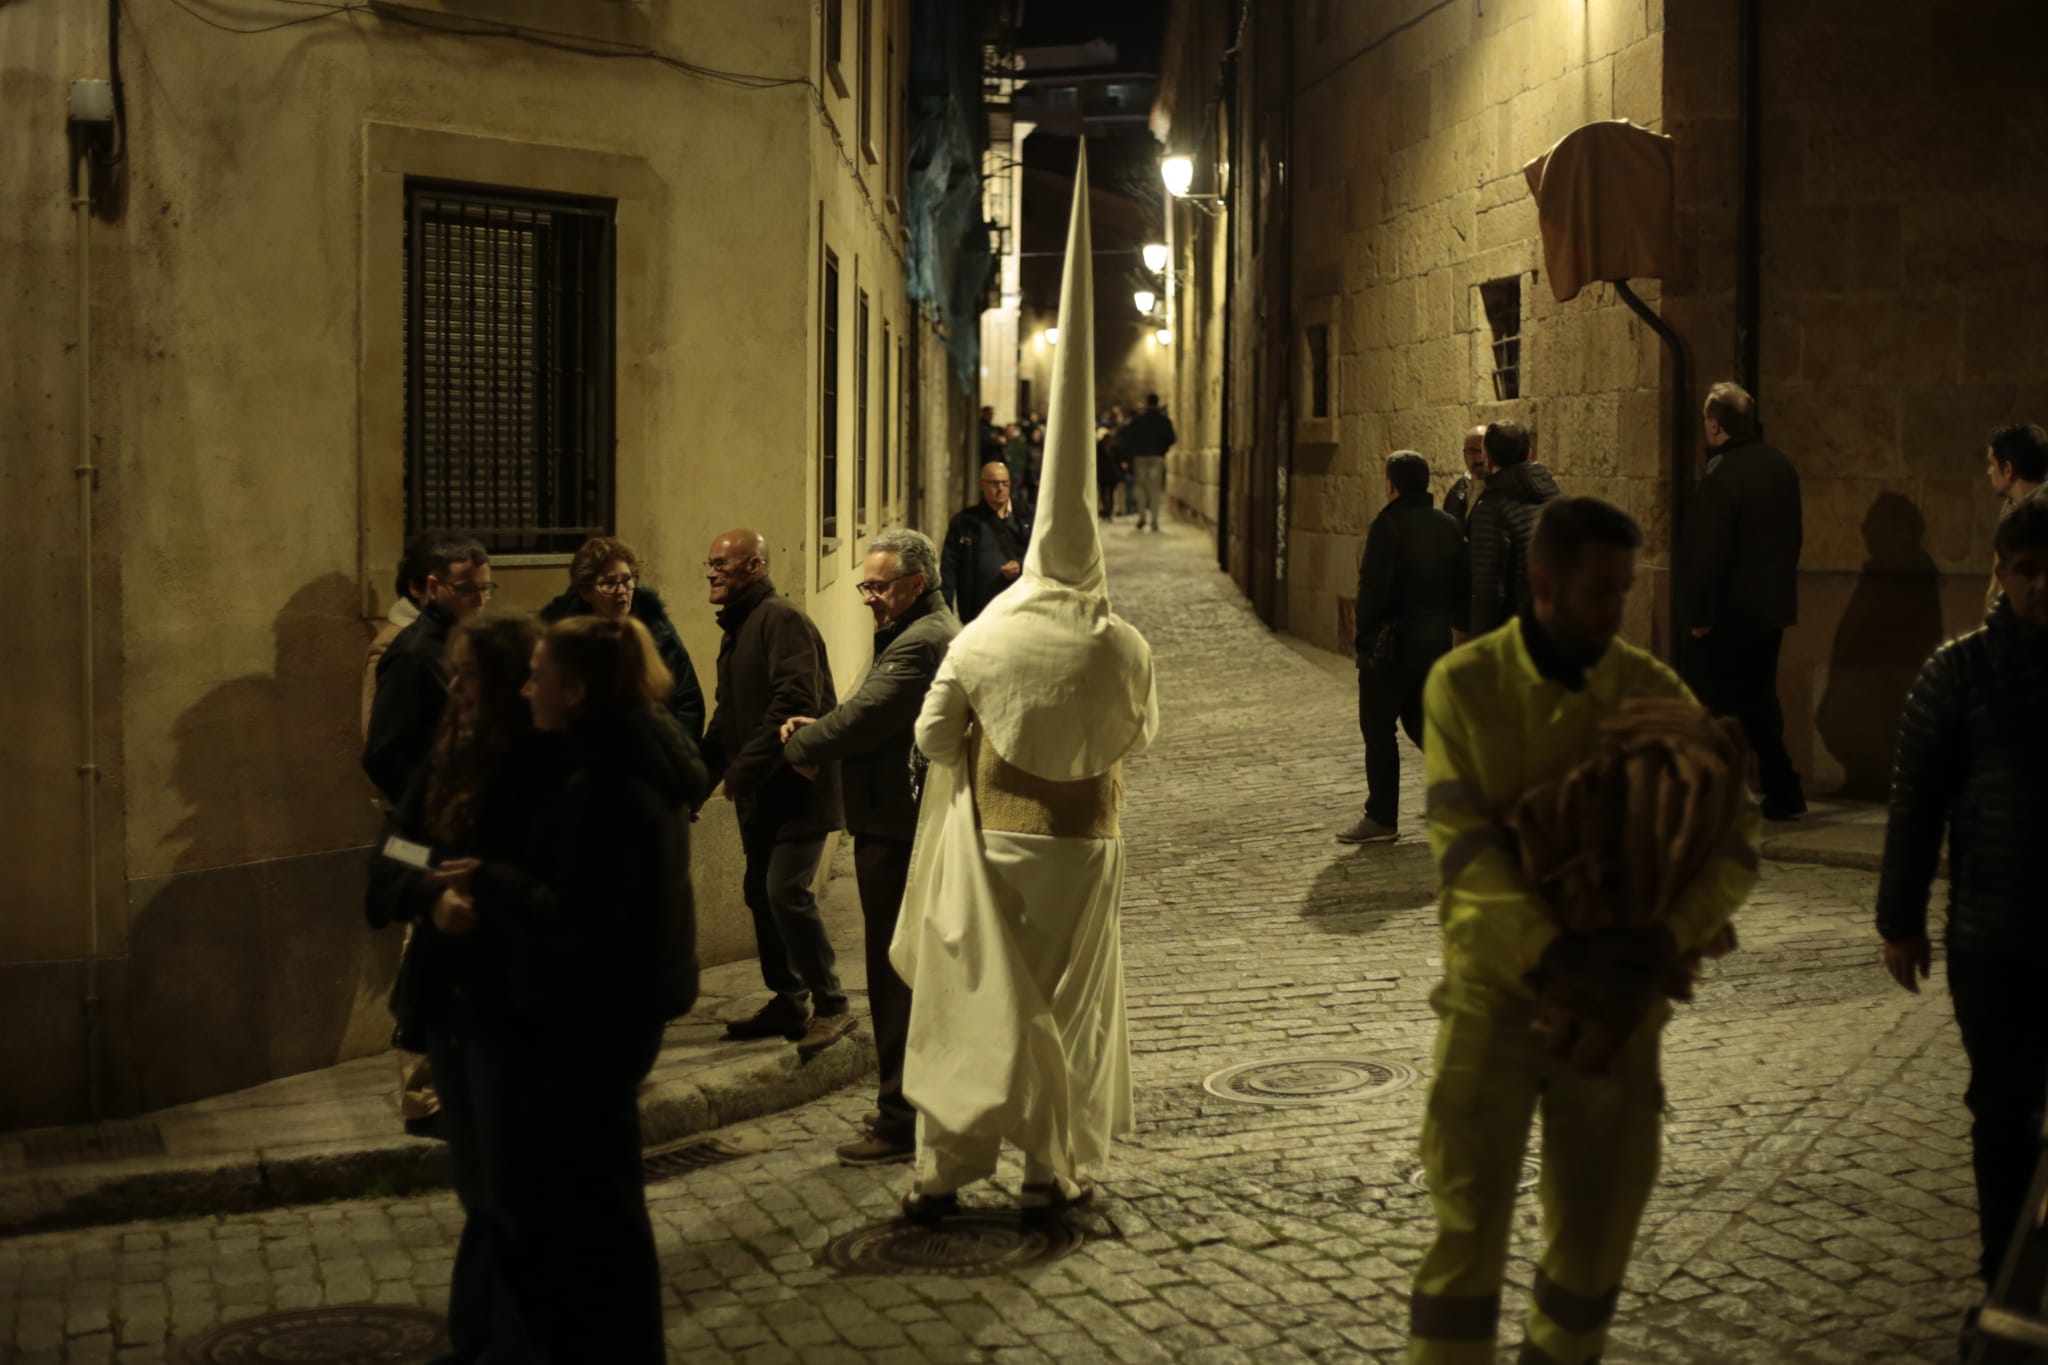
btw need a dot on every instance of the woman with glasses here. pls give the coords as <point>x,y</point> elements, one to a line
<point>604,581</point>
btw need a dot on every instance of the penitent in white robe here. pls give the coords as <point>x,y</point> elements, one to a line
<point>1011,943</point>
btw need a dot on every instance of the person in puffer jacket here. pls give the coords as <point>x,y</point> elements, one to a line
<point>1502,519</point>
<point>604,580</point>
<point>1973,744</point>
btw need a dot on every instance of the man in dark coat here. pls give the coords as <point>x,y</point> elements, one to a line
<point>412,678</point>
<point>1411,589</point>
<point>1973,743</point>
<point>1500,525</point>
<point>869,736</point>
<point>1464,494</point>
<point>1741,563</point>
<point>984,546</point>
<point>1144,441</point>
<point>604,578</point>
<point>771,666</point>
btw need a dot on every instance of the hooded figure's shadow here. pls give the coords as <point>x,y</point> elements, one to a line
<point>1890,626</point>
<point>250,958</point>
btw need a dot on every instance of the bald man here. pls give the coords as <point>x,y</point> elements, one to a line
<point>1458,502</point>
<point>985,545</point>
<point>772,666</point>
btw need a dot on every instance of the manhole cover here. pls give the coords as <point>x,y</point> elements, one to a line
<point>693,1154</point>
<point>963,1246</point>
<point>104,1142</point>
<point>367,1335</point>
<point>1310,1080</point>
<point>1532,1171</point>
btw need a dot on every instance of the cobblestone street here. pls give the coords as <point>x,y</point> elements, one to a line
<point>1815,1203</point>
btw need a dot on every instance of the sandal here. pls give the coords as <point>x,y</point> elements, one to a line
<point>1043,1200</point>
<point>929,1210</point>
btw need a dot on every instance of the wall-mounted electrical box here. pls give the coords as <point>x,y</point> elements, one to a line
<point>92,101</point>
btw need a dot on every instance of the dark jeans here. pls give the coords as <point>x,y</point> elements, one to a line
<point>556,1263</point>
<point>1737,675</point>
<point>882,867</point>
<point>796,954</point>
<point>2005,1033</point>
<point>1390,693</point>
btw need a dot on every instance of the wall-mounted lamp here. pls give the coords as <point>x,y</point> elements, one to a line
<point>1144,298</point>
<point>1164,336</point>
<point>1179,174</point>
<point>1051,335</point>
<point>1155,257</point>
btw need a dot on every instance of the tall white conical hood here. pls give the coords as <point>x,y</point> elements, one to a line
<point>1060,685</point>
<point>1065,547</point>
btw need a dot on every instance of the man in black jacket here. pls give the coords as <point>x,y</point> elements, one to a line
<point>1973,743</point>
<point>1144,441</point>
<point>1741,558</point>
<point>1465,492</point>
<point>771,666</point>
<point>985,545</point>
<point>1499,527</point>
<point>1411,587</point>
<point>869,736</point>
<point>412,679</point>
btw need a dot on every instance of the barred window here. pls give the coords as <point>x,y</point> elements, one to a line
<point>828,417</point>
<point>864,511</point>
<point>509,431</point>
<point>888,441</point>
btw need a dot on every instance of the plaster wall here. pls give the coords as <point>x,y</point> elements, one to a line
<point>249,429</point>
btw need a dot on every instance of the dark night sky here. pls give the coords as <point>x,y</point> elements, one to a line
<point>1135,26</point>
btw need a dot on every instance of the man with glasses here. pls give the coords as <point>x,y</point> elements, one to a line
<point>412,677</point>
<point>984,546</point>
<point>869,736</point>
<point>772,666</point>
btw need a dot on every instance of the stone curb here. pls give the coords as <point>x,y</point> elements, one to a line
<point>303,1173</point>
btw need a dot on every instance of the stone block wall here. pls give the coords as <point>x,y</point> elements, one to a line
<point>1412,127</point>
<point>1904,274</point>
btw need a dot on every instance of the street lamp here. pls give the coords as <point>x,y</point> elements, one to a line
<point>1155,257</point>
<point>1179,173</point>
<point>1144,298</point>
<point>1164,336</point>
<point>1052,336</point>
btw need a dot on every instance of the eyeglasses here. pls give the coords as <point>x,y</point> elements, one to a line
<point>727,565</point>
<point>616,583</point>
<point>875,587</point>
<point>995,483</point>
<point>483,590</point>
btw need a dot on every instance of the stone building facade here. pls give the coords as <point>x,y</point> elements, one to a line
<point>1372,247</point>
<point>246,412</point>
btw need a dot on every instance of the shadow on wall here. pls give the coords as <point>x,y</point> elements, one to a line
<point>251,959</point>
<point>1890,626</point>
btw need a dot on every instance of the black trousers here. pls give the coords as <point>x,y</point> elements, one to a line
<point>2000,1009</point>
<point>1390,694</point>
<point>1736,674</point>
<point>881,868</point>
<point>556,1263</point>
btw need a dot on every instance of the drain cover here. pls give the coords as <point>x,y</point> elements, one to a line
<point>693,1154</point>
<point>1310,1080</point>
<point>371,1334</point>
<point>964,1246</point>
<point>1532,1170</point>
<point>103,1142</point>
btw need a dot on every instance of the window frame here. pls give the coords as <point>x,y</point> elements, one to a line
<point>828,404</point>
<point>832,44</point>
<point>597,349</point>
<point>865,54</point>
<point>863,496</point>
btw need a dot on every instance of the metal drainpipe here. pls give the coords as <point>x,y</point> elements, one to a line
<point>1748,219</point>
<point>88,763</point>
<point>1681,448</point>
<point>1227,111</point>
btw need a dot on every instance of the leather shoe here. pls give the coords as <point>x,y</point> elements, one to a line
<point>776,1019</point>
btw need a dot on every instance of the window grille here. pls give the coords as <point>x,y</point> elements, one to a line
<point>888,442</point>
<point>1502,300</point>
<point>828,419</point>
<point>508,308</point>
<point>1319,371</point>
<point>863,507</point>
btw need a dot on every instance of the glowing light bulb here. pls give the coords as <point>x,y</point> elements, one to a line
<point>1179,173</point>
<point>1155,256</point>
<point>1144,298</point>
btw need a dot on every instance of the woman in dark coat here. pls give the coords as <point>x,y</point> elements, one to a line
<point>486,792</point>
<point>602,909</point>
<point>604,580</point>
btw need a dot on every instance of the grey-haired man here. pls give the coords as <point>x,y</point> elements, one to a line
<point>869,736</point>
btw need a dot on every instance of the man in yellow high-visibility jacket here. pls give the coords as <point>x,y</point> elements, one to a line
<point>1515,709</point>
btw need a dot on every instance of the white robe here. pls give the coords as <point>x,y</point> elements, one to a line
<point>1011,945</point>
